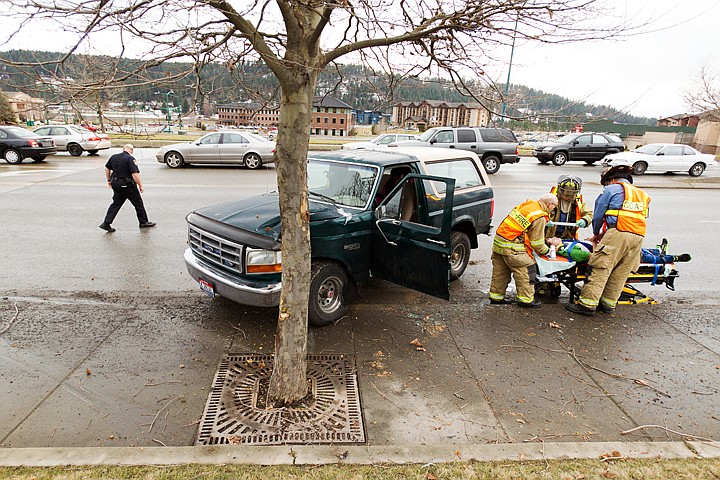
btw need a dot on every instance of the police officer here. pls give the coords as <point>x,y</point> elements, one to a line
<point>519,234</point>
<point>570,209</point>
<point>619,223</point>
<point>123,176</point>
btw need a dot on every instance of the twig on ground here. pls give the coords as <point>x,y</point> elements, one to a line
<point>150,384</point>
<point>386,398</point>
<point>158,441</point>
<point>667,430</point>
<point>152,424</point>
<point>11,321</point>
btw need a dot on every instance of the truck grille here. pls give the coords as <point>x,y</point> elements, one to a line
<point>215,250</point>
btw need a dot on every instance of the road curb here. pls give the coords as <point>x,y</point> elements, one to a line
<point>354,454</point>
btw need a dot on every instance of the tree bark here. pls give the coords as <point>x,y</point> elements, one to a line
<point>288,383</point>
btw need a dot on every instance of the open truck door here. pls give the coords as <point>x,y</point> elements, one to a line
<point>410,244</point>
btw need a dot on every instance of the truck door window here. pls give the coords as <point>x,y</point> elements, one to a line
<point>463,171</point>
<point>466,135</point>
<point>445,136</point>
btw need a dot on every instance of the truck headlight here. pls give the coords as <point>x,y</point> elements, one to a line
<point>263,261</point>
<point>547,149</point>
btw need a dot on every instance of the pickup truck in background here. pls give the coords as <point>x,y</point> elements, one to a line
<point>409,216</point>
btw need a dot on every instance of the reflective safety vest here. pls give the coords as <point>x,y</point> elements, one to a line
<point>635,208</point>
<point>517,223</point>
<point>578,208</point>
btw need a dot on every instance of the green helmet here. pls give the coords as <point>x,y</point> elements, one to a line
<point>568,187</point>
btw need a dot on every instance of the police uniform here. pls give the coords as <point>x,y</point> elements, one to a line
<point>620,212</point>
<point>123,166</point>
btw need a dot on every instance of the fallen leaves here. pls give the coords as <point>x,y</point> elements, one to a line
<point>614,455</point>
<point>418,346</point>
<point>378,364</point>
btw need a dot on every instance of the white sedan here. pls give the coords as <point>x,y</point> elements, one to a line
<point>380,141</point>
<point>662,157</point>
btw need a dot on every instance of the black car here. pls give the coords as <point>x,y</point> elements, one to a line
<point>586,147</point>
<point>17,144</point>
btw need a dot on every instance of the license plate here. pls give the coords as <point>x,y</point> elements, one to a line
<point>207,287</point>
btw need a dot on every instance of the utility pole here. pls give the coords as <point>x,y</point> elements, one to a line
<point>167,107</point>
<point>507,83</point>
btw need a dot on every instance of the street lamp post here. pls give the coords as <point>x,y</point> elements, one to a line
<point>167,106</point>
<point>507,83</point>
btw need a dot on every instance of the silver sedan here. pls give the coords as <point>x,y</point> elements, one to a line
<point>248,149</point>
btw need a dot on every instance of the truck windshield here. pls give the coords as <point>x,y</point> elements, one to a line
<point>346,184</point>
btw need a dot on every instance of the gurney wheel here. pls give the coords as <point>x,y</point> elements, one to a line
<point>555,290</point>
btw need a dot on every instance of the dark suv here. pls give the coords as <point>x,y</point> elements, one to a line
<point>409,216</point>
<point>494,146</point>
<point>586,147</point>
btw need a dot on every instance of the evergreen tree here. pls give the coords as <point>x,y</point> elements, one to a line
<point>7,115</point>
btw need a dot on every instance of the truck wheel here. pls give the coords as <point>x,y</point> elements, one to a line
<point>491,164</point>
<point>74,149</point>
<point>560,158</point>
<point>459,254</point>
<point>328,282</point>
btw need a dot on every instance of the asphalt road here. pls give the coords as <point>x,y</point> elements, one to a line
<point>106,341</point>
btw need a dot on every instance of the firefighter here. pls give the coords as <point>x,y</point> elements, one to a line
<point>570,209</point>
<point>619,223</point>
<point>519,234</point>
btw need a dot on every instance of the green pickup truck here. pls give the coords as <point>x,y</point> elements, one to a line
<point>407,215</point>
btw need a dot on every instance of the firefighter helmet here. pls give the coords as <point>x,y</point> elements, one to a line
<point>568,187</point>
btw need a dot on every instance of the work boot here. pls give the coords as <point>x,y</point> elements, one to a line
<point>605,308</point>
<point>147,224</point>
<point>534,304</point>
<point>581,309</point>
<point>107,227</point>
<point>685,257</point>
<point>500,302</point>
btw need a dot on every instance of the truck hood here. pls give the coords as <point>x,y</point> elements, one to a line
<point>261,214</point>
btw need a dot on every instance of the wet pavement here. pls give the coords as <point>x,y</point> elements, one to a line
<point>105,341</point>
<point>113,370</point>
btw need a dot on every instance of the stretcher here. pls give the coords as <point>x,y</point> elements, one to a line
<point>553,273</point>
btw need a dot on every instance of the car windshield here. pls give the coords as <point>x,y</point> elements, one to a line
<point>21,132</point>
<point>568,138</point>
<point>648,149</point>
<point>425,137</point>
<point>346,184</point>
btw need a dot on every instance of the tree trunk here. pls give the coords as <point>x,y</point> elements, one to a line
<point>288,383</point>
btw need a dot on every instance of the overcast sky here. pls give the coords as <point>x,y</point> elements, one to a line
<point>643,75</point>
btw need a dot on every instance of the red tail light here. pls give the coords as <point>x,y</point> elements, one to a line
<point>33,143</point>
<point>94,139</point>
<point>492,208</point>
<point>517,150</point>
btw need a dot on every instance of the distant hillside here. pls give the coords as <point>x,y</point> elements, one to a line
<point>356,85</point>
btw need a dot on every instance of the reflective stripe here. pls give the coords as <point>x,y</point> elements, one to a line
<point>496,296</point>
<point>523,299</point>
<point>609,303</point>
<point>518,247</point>
<point>587,302</point>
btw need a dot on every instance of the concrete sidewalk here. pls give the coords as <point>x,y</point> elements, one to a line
<point>100,378</point>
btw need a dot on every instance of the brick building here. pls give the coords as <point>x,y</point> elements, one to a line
<point>330,116</point>
<point>437,113</point>
<point>248,114</point>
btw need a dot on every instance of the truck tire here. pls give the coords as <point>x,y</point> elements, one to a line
<point>328,282</point>
<point>459,254</point>
<point>491,164</point>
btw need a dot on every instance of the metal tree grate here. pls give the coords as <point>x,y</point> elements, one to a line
<point>235,413</point>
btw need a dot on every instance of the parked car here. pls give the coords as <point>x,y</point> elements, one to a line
<point>17,144</point>
<point>587,147</point>
<point>494,146</point>
<point>74,139</point>
<point>380,141</point>
<point>419,235</point>
<point>248,149</point>
<point>663,157</point>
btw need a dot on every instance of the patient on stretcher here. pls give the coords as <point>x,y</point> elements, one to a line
<point>579,251</point>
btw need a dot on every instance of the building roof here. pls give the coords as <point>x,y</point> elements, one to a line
<point>442,103</point>
<point>328,101</point>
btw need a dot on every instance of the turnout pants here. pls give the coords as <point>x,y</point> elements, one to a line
<point>523,270</point>
<point>612,261</point>
<point>120,194</point>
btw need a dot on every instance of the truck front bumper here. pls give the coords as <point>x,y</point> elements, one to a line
<point>236,289</point>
